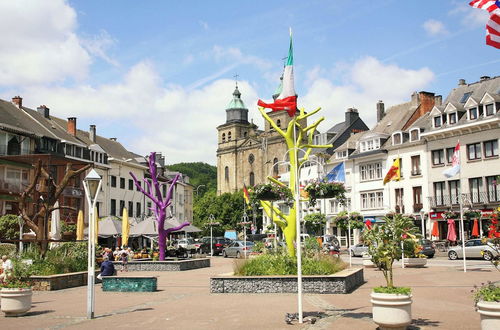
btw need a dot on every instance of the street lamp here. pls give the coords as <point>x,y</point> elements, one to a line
<point>92,185</point>
<point>198,187</point>
<point>211,218</point>
<point>244,223</point>
<point>422,215</point>
<point>20,220</point>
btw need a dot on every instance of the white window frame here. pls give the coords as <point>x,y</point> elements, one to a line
<point>418,134</point>
<point>400,137</point>
<point>456,117</point>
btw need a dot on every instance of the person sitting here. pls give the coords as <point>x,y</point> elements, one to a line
<point>116,254</point>
<point>6,269</point>
<point>107,268</point>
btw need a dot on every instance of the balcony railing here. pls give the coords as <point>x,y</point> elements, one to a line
<point>480,197</point>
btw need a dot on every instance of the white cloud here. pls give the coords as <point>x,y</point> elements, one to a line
<point>434,27</point>
<point>470,17</point>
<point>224,54</point>
<point>39,44</point>
<point>367,81</point>
<point>204,25</point>
<point>98,46</point>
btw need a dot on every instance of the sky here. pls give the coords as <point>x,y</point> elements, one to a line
<point>158,75</point>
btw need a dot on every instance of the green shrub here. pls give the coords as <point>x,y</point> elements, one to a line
<point>487,292</point>
<point>392,290</point>
<point>283,264</point>
<point>7,249</point>
<point>9,227</point>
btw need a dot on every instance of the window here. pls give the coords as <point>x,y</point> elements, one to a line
<point>449,155</point>
<point>415,165</point>
<point>278,123</point>
<point>417,199</point>
<point>439,189</point>
<point>400,207</point>
<point>275,167</point>
<point>465,97</point>
<point>452,118</point>
<point>164,190</point>
<point>372,200</point>
<point>228,136</point>
<point>454,186</point>
<point>474,151</point>
<point>370,145</point>
<point>437,121</point>
<point>438,157</point>
<point>371,171</point>
<point>492,186</point>
<point>113,207</point>
<point>396,138</point>
<point>491,148</point>
<point>149,208</point>
<point>130,209</point>
<point>341,154</point>
<point>122,183</point>
<point>130,184</point>
<point>113,181</point>
<point>223,137</point>
<point>137,209</point>
<point>226,173</point>
<point>251,158</point>
<point>475,185</point>
<point>338,206</point>
<point>138,185</point>
<point>122,206</point>
<point>472,113</point>
<point>252,179</point>
<point>414,135</point>
<point>490,110</point>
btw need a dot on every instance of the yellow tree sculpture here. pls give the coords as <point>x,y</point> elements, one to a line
<point>301,139</point>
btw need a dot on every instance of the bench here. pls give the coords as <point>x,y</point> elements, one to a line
<point>129,283</point>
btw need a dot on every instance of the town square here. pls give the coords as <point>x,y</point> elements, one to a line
<point>274,165</point>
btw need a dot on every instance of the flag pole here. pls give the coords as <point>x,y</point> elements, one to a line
<point>462,218</point>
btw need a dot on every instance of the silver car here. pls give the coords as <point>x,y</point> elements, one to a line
<point>473,249</point>
<point>237,249</point>
<point>358,250</point>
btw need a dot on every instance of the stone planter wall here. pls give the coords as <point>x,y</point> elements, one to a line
<point>342,282</point>
<point>60,281</point>
<point>165,266</point>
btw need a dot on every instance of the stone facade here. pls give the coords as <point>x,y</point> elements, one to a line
<point>165,266</point>
<point>59,281</point>
<point>342,282</point>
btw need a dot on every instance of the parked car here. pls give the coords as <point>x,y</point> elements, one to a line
<point>358,250</point>
<point>190,245</point>
<point>473,249</point>
<point>237,249</point>
<point>218,244</point>
<point>428,248</point>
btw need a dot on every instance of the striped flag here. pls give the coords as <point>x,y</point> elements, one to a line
<point>455,163</point>
<point>246,195</point>
<point>394,173</point>
<point>493,24</point>
<point>287,100</point>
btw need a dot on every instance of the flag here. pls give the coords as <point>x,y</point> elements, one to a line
<point>246,195</point>
<point>455,163</point>
<point>493,24</point>
<point>287,100</point>
<point>394,173</point>
<point>337,174</point>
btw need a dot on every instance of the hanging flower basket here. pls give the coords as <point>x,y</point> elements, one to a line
<point>344,220</point>
<point>273,192</point>
<point>472,214</point>
<point>451,215</point>
<point>321,190</point>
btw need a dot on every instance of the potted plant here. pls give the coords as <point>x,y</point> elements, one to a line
<point>413,256</point>
<point>472,214</point>
<point>68,231</point>
<point>16,291</point>
<point>273,192</point>
<point>319,189</point>
<point>391,304</point>
<point>315,222</point>
<point>451,215</point>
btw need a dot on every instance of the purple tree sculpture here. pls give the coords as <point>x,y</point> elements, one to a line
<point>161,203</point>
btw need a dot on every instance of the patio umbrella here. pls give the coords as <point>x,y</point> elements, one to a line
<point>79,226</point>
<point>55,223</point>
<point>125,227</point>
<point>368,224</point>
<point>452,235</point>
<point>145,227</point>
<point>96,220</point>
<point>435,229</point>
<point>475,228</point>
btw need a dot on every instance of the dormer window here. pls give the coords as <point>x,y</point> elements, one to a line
<point>489,109</point>
<point>452,118</point>
<point>472,113</point>
<point>437,121</point>
<point>370,145</point>
<point>415,135</point>
<point>397,138</point>
<point>341,154</point>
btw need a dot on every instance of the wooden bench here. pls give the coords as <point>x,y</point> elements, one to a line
<point>129,283</point>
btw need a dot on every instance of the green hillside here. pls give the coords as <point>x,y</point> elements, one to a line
<point>199,174</point>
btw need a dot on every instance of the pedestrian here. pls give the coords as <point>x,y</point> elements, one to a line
<point>107,268</point>
<point>116,254</point>
<point>6,269</point>
<point>124,260</point>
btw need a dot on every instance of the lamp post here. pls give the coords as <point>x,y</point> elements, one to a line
<point>198,187</point>
<point>92,185</point>
<point>211,218</point>
<point>244,223</point>
<point>20,220</point>
<point>422,215</point>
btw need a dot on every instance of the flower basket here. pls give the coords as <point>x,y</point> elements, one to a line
<point>472,214</point>
<point>451,215</point>
<point>321,190</point>
<point>272,192</point>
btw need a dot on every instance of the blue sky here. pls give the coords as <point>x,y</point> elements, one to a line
<point>158,74</point>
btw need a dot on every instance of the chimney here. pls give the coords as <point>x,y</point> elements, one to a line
<point>438,100</point>
<point>44,111</point>
<point>112,139</point>
<point>483,78</point>
<point>461,82</point>
<point>351,115</point>
<point>380,110</point>
<point>72,126</point>
<point>18,101</point>
<point>92,133</point>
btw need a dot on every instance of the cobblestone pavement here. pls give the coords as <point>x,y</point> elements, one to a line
<point>441,299</point>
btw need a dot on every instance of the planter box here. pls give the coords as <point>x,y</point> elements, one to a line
<point>129,283</point>
<point>164,266</point>
<point>59,281</point>
<point>342,282</point>
<point>415,262</point>
<point>16,302</point>
<point>490,314</point>
<point>391,311</point>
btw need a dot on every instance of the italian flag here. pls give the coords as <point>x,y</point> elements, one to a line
<point>287,100</point>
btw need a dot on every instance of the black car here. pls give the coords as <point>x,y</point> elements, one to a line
<point>218,244</point>
<point>427,248</point>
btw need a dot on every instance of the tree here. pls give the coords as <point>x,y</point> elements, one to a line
<point>38,222</point>
<point>296,138</point>
<point>9,226</point>
<point>200,174</point>
<point>161,203</point>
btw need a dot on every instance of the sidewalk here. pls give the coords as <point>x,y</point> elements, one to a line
<point>442,299</point>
